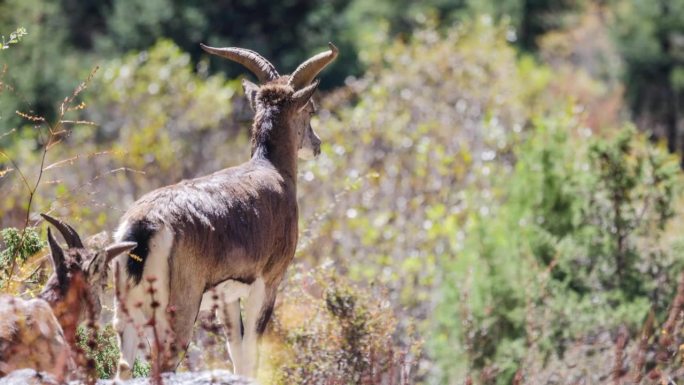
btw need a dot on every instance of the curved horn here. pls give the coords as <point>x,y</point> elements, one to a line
<point>308,70</point>
<point>262,68</point>
<point>70,236</point>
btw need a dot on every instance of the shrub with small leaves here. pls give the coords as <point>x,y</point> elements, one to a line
<point>341,302</point>
<point>569,243</point>
<point>634,197</point>
<point>100,346</point>
<point>19,245</point>
<point>103,349</point>
<point>335,332</point>
<point>141,369</point>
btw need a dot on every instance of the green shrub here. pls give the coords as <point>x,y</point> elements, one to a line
<point>569,243</point>
<point>333,332</point>
<point>19,243</point>
<point>19,246</point>
<point>102,347</point>
<point>141,369</point>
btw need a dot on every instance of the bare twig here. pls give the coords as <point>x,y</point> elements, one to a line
<point>74,158</point>
<point>675,311</point>
<point>642,348</point>
<point>83,122</point>
<point>16,167</point>
<point>618,364</point>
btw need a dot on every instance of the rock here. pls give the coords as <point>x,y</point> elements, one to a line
<point>28,377</point>
<point>214,377</point>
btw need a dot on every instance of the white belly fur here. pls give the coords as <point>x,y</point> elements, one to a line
<point>227,292</point>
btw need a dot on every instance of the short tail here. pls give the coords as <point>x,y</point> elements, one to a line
<point>141,232</point>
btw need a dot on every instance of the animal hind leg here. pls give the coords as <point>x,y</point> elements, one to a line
<point>224,299</point>
<point>184,305</point>
<point>230,317</point>
<point>258,309</point>
<point>136,296</point>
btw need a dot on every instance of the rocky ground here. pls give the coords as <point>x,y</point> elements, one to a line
<point>214,377</point>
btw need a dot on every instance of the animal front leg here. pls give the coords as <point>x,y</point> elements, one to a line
<point>127,321</point>
<point>128,341</point>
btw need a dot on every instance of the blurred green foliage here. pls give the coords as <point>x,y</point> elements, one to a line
<point>159,116</point>
<point>649,38</point>
<point>49,69</point>
<point>80,33</point>
<point>156,117</point>
<point>572,245</point>
<point>430,122</point>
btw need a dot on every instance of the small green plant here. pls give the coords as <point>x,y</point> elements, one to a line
<point>101,347</point>
<point>141,368</point>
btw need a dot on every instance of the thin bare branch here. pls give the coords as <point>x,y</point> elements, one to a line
<point>5,172</point>
<point>10,132</point>
<point>16,167</point>
<point>80,106</point>
<point>71,160</point>
<point>83,122</point>
<point>30,117</point>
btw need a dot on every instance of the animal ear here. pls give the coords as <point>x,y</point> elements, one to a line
<point>57,257</point>
<point>117,249</point>
<point>301,97</point>
<point>251,91</point>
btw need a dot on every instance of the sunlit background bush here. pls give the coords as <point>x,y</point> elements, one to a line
<point>495,197</point>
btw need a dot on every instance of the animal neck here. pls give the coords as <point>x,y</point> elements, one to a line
<point>275,142</point>
<point>66,303</point>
